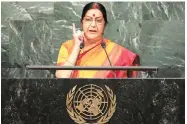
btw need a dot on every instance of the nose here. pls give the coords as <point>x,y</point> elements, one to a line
<point>93,24</point>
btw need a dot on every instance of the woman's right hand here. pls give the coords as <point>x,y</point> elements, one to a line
<point>78,37</point>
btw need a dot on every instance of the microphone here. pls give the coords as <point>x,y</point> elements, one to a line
<point>82,45</point>
<point>104,47</point>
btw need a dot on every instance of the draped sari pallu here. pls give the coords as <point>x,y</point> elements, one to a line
<point>96,56</point>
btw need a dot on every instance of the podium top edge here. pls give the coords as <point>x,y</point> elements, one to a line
<point>49,67</point>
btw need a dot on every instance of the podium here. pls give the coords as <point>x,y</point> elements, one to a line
<point>111,101</point>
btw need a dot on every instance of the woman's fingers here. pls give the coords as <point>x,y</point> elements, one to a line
<point>74,28</point>
<point>78,36</point>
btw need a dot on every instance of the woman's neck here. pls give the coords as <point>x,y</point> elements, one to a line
<point>90,42</point>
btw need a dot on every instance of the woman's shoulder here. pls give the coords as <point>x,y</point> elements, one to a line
<point>67,43</point>
<point>120,47</point>
<point>122,50</point>
<point>124,53</point>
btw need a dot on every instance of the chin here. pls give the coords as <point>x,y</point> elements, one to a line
<point>92,36</point>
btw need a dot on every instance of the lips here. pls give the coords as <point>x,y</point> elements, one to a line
<point>93,31</point>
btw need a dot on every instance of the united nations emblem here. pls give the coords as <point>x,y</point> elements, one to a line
<point>91,104</point>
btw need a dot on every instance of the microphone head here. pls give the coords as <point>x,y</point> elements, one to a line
<point>82,45</point>
<point>103,44</point>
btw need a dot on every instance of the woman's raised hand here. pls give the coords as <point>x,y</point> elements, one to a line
<point>78,36</point>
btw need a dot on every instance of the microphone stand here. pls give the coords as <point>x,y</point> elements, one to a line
<point>104,47</point>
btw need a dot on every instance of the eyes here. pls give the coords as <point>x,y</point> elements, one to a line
<point>90,20</point>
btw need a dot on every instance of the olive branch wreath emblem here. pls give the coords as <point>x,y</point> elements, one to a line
<point>78,119</point>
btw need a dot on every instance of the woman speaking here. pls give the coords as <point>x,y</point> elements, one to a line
<point>90,48</point>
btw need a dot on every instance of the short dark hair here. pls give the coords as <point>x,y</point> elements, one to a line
<point>99,7</point>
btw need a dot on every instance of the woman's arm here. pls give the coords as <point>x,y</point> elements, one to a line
<point>70,62</point>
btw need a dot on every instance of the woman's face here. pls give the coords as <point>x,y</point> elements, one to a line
<point>93,24</point>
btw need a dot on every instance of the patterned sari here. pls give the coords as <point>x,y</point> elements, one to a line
<point>96,56</point>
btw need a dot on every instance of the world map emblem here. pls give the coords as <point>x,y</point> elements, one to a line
<point>91,104</point>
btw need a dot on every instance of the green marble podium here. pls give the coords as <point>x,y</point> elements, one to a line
<point>138,101</point>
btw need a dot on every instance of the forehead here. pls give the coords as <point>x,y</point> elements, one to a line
<point>95,12</point>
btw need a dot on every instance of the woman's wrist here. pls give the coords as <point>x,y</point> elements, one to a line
<point>77,45</point>
<point>70,63</point>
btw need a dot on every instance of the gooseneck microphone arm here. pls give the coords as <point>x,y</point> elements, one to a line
<point>104,47</point>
